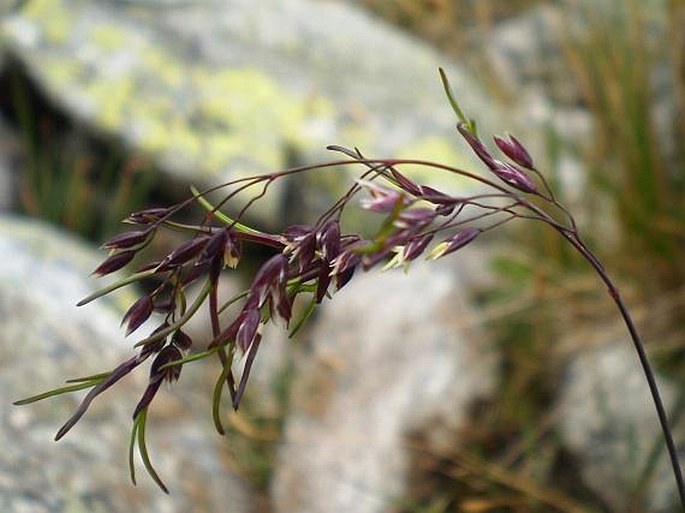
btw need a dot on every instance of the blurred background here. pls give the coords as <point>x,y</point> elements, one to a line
<point>512,387</point>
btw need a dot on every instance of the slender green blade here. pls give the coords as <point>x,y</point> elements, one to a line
<point>57,391</point>
<point>142,449</point>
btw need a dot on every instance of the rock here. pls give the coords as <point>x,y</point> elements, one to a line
<point>608,421</point>
<point>526,56</point>
<point>391,355</point>
<point>546,61</point>
<point>217,90</point>
<point>46,340</point>
<point>526,52</point>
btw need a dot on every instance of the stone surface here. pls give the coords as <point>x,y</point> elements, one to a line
<point>391,355</point>
<point>609,423</point>
<point>538,60</point>
<point>45,340</point>
<point>526,56</point>
<point>525,51</point>
<point>216,89</point>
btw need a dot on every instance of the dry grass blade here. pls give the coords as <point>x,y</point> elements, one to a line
<point>464,466</point>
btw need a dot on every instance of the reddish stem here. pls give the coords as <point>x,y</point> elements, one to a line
<point>642,356</point>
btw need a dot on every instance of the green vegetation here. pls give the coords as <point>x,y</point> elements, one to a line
<point>636,181</point>
<point>69,179</point>
<point>634,207</point>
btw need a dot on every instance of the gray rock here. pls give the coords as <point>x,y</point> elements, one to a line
<point>529,51</point>
<point>391,355</point>
<point>217,89</point>
<point>526,55</point>
<point>538,59</point>
<point>608,421</point>
<point>526,52</point>
<point>45,340</point>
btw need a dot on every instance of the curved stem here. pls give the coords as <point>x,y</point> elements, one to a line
<point>642,356</point>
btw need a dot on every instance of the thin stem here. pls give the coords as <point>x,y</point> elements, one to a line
<point>339,205</point>
<point>642,356</point>
<point>571,234</point>
<point>490,211</point>
<point>186,316</point>
<point>141,275</point>
<point>214,309</point>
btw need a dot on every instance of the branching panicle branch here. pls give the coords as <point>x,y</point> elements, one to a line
<point>315,261</point>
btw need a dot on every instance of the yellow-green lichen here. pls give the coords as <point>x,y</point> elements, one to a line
<point>164,67</point>
<point>229,113</point>
<point>441,150</point>
<point>357,135</point>
<point>61,73</point>
<point>52,17</point>
<point>219,149</point>
<point>182,139</point>
<point>232,97</point>
<point>113,99</point>
<point>108,38</point>
<point>209,118</point>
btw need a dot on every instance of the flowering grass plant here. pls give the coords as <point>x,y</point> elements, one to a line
<point>313,261</point>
